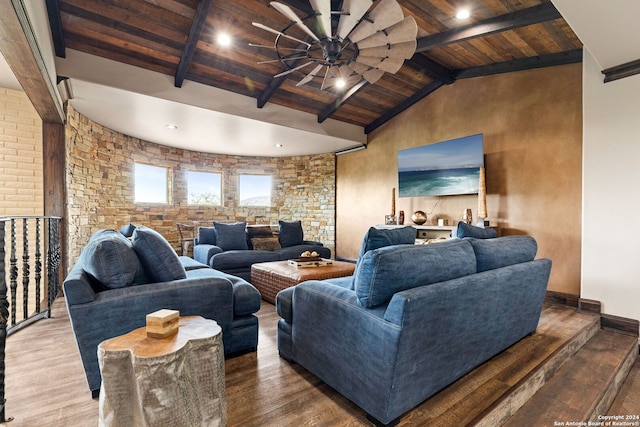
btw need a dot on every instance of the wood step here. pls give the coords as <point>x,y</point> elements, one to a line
<point>597,370</point>
<point>494,391</point>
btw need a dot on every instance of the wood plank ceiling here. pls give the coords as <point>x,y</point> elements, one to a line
<point>177,38</point>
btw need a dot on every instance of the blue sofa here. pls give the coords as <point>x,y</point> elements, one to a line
<point>234,248</point>
<point>115,283</point>
<point>413,318</point>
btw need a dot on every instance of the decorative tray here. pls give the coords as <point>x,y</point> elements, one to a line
<point>310,262</point>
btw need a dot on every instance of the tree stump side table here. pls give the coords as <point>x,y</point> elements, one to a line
<point>178,380</point>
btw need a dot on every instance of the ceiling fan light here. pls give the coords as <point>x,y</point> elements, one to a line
<point>340,83</point>
<point>463,14</point>
<point>223,39</point>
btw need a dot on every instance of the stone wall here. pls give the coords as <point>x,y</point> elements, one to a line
<point>100,186</point>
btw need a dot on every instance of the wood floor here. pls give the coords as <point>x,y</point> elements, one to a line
<point>45,384</point>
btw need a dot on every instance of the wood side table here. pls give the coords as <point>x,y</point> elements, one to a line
<point>272,277</point>
<point>178,380</point>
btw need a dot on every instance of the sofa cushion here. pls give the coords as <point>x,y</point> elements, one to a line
<point>270,243</point>
<point>292,252</point>
<point>383,272</point>
<point>291,233</point>
<point>508,250</point>
<point>110,259</point>
<point>466,230</point>
<point>207,236</point>
<point>232,260</point>
<point>231,236</point>
<point>376,238</point>
<point>160,261</point>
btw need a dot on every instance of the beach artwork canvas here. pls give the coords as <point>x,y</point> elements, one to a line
<point>441,169</point>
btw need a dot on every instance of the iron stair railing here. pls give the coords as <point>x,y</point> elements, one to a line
<point>20,230</point>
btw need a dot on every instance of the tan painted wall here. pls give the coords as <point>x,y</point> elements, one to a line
<point>532,126</point>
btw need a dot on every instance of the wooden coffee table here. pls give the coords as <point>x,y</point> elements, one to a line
<point>272,277</point>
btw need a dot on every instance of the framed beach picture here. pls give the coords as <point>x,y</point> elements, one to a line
<point>441,169</point>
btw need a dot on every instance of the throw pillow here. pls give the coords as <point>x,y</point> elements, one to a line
<point>259,231</point>
<point>508,250</point>
<point>206,236</point>
<point>127,230</point>
<point>231,236</point>
<point>467,230</point>
<point>110,259</point>
<point>380,237</point>
<point>265,243</point>
<point>160,261</point>
<point>291,233</point>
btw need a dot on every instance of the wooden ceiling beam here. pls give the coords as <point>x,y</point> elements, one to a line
<point>621,71</point>
<point>510,21</point>
<point>335,106</point>
<point>550,60</point>
<point>430,68</point>
<point>55,23</point>
<point>389,114</point>
<point>192,41</point>
<point>21,51</point>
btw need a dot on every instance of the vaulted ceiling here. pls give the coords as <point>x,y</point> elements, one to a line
<point>177,38</point>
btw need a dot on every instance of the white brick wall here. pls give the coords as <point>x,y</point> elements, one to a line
<point>21,183</point>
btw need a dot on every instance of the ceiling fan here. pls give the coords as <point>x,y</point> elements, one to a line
<point>343,46</point>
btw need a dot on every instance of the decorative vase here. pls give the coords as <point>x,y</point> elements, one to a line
<point>401,218</point>
<point>419,217</point>
<point>467,216</point>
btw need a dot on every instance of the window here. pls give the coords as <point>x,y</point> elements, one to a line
<point>205,188</point>
<point>255,190</point>
<point>151,183</point>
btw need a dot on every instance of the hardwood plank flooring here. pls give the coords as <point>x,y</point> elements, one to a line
<point>45,383</point>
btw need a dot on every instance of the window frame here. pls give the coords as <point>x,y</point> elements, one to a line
<point>221,194</point>
<point>255,174</point>
<point>168,183</point>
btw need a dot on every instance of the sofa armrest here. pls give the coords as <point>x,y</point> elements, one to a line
<point>204,252</point>
<point>312,242</point>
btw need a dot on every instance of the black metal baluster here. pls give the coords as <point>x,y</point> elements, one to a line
<point>26,268</point>
<point>13,271</point>
<point>38,266</point>
<point>53,262</point>
<point>4,318</point>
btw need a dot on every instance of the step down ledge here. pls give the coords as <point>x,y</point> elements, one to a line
<point>585,386</point>
<point>520,393</point>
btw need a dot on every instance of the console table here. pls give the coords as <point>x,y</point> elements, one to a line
<point>426,231</point>
<point>178,380</point>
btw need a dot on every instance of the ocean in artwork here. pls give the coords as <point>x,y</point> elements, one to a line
<point>438,182</point>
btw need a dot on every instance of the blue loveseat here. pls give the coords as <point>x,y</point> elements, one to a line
<point>115,283</point>
<point>234,248</point>
<point>413,318</point>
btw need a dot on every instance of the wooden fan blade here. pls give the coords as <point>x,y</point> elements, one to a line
<point>404,31</point>
<point>359,68</point>
<point>310,76</point>
<point>271,30</point>
<point>373,75</point>
<point>324,80</point>
<point>384,15</point>
<point>292,70</point>
<point>279,48</point>
<point>323,7</point>
<point>401,50</point>
<point>356,10</point>
<point>289,13</point>
<point>390,65</point>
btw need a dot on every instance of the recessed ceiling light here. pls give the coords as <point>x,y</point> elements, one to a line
<point>171,126</point>
<point>279,145</point>
<point>223,39</point>
<point>463,14</point>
